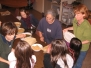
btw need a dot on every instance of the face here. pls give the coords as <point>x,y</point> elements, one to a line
<point>23,14</point>
<point>49,18</point>
<point>9,37</point>
<point>79,16</point>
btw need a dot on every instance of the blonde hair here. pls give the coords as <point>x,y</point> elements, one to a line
<point>82,9</point>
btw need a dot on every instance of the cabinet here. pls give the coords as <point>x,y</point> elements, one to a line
<point>58,6</point>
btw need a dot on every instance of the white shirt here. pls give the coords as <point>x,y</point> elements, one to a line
<point>70,61</point>
<point>12,59</point>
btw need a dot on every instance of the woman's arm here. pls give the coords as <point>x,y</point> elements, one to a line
<point>3,60</point>
<point>85,42</point>
<point>66,29</point>
<point>41,36</point>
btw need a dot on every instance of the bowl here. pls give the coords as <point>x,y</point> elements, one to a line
<point>37,47</point>
<point>18,24</point>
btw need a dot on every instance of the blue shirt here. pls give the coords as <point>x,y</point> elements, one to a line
<point>50,31</point>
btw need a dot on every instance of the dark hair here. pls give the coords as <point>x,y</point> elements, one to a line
<point>75,47</point>
<point>58,49</point>
<point>26,11</point>
<point>23,53</point>
<point>8,28</point>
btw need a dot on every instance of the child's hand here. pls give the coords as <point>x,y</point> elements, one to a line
<point>49,48</point>
<point>20,35</point>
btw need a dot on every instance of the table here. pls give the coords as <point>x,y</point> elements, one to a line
<point>7,18</point>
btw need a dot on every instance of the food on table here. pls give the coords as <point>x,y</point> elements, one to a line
<point>36,48</point>
<point>30,40</point>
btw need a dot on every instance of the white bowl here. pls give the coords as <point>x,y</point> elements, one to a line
<point>37,47</point>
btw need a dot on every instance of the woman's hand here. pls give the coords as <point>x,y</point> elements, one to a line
<point>49,48</point>
<point>65,30</point>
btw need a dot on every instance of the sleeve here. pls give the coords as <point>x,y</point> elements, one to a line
<point>39,28</point>
<point>87,33</point>
<point>12,64</point>
<point>47,61</point>
<point>59,32</point>
<point>23,24</point>
<point>34,58</point>
<point>34,20</point>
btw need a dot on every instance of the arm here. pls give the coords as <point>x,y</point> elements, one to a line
<point>41,36</point>
<point>66,29</point>
<point>20,36</point>
<point>85,42</point>
<point>3,60</point>
<point>87,35</point>
<point>47,61</point>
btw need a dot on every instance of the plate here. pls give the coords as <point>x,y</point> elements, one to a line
<point>30,40</point>
<point>68,36</point>
<point>18,17</point>
<point>27,34</point>
<point>37,47</point>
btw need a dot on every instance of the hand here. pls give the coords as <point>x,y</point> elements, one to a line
<point>21,36</point>
<point>65,30</point>
<point>42,39</point>
<point>49,48</point>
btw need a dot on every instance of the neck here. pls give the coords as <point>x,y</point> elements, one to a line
<point>7,39</point>
<point>80,21</point>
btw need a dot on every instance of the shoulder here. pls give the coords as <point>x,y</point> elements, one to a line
<point>11,56</point>
<point>43,19</point>
<point>70,61</point>
<point>86,22</point>
<point>34,57</point>
<point>57,22</point>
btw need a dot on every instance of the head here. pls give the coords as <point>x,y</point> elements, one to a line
<point>9,30</point>
<point>50,16</point>
<point>24,12</point>
<point>58,49</point>
<point>75,47</point>
<point>75,44</point>
<point>23,53</point>
<point>81,12</point>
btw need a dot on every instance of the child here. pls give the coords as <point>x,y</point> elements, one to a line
<point>7,36</point>
<point>57,56</point>
<point>74,48</point>
<point>22,57</point>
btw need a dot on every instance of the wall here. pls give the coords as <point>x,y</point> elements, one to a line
<point>38,5</point>
<point>87,3</point>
